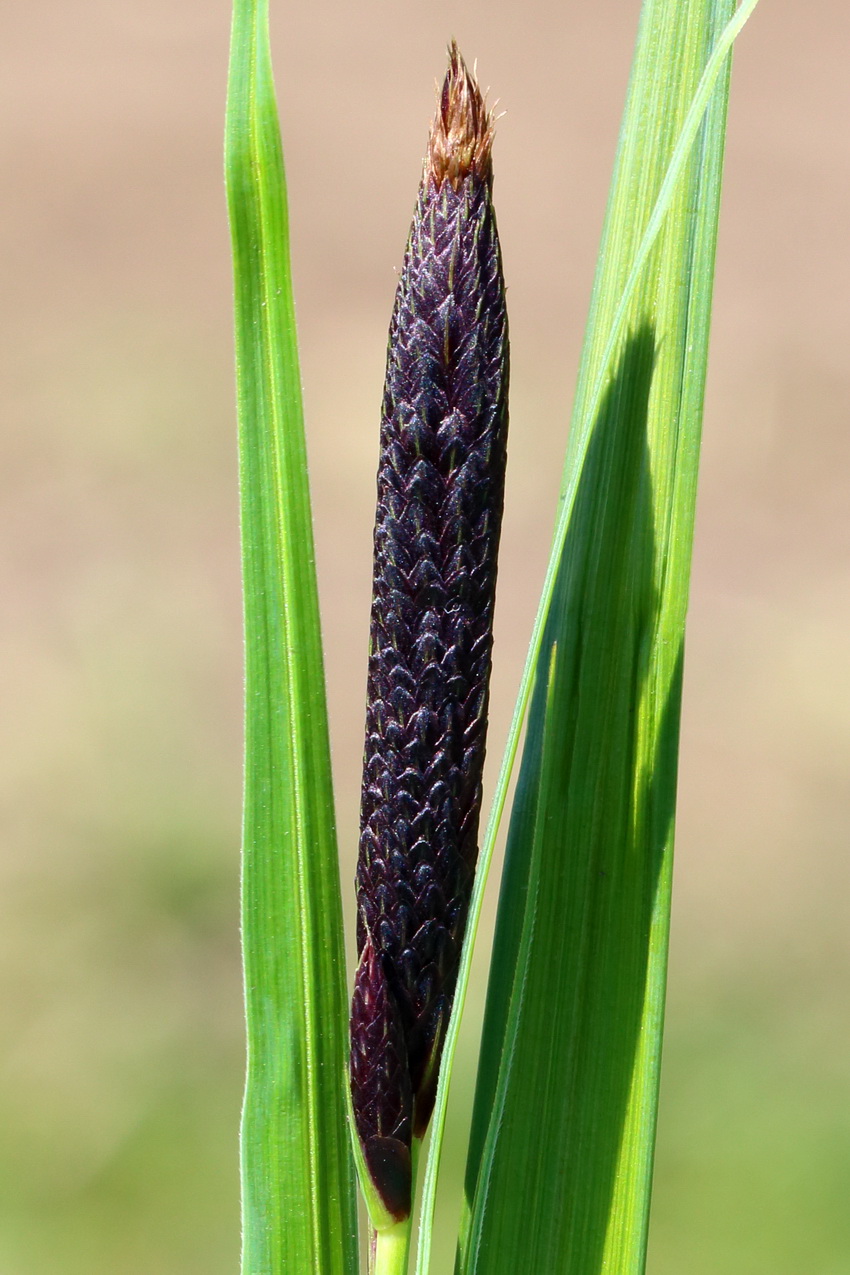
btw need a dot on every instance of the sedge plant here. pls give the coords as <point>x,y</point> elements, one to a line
<point>567,1089</point>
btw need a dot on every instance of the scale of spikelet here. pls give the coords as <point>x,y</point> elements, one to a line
<point>440,491</point>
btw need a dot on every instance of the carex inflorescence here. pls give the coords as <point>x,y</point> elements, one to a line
<point>440,492</point>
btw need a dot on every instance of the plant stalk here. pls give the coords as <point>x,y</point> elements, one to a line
<point>391,1249</point>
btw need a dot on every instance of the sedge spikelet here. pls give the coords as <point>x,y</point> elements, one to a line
<point>440,493</point>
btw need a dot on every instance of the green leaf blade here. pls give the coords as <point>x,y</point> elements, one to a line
<point>568,1080</point>
<point>297,1176</point>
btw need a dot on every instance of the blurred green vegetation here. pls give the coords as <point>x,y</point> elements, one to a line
<point>121,1042</point>
<point>754,1139</point>
<point>121,1084</point>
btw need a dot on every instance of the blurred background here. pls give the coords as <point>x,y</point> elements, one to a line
<point>120,648</point>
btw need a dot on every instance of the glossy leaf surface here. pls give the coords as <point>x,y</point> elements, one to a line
<point>560,1162</point>
<point>297,1177</point>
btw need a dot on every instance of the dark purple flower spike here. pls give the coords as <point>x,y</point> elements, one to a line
<point>440,492</point>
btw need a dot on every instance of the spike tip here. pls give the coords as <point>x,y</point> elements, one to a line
<point>461,139</point>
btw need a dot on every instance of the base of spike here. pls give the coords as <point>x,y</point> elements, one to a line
<point>391,1174</point>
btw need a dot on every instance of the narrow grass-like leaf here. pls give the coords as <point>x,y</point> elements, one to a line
<point>568,1077</point>
<point>297,1178</point>
<point>584,415</point>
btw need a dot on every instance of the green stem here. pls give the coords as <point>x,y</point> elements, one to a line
<point>391,1249</point>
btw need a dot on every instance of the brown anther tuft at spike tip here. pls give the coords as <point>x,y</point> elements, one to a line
<point>461,138</point>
